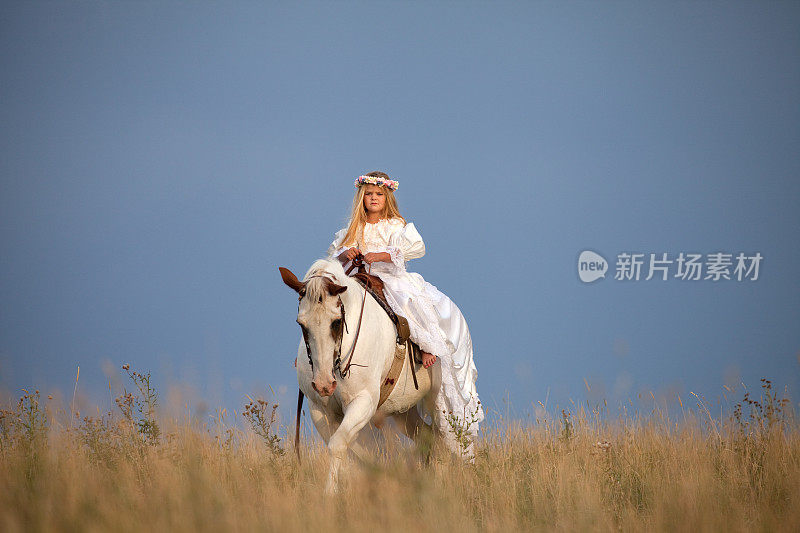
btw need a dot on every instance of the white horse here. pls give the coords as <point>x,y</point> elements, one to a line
<point>342,406</point>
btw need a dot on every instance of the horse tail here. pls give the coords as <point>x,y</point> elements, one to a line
<point>297,424</point>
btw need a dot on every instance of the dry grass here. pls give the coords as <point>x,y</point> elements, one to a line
<point>131,472</point>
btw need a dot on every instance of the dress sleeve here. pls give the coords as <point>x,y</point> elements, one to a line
<point>405,244</point>
<point>336,247</point>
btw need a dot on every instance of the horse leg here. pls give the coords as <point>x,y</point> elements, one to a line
<point>357,414</point>
<point>415,428</point>
<point>324,421</point>
<point>327,423</point>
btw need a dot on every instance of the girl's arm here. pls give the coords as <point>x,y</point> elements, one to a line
<point>409,242</point>
<point>404,244</point>
<point>377,257</point>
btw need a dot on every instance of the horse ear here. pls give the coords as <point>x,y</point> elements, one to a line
<point>334,289</point>
<point>291,280</point>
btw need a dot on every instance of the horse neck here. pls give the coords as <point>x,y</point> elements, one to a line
<point>352,299</point>
<point>373,320</point>
<point>354,294</point>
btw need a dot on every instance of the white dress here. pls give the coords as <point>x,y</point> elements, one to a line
<point>436,324</point>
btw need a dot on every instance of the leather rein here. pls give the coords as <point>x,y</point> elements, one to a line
<point>337,361</point>
<point>357,261</point>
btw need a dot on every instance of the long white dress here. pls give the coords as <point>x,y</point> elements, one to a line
<point>436,324</point>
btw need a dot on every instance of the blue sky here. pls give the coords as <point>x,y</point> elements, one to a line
<point>160,160</point>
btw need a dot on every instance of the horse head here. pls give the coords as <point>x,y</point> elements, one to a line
<point>320,314</point>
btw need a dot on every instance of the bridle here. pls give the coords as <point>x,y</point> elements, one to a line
<point>337,352</point>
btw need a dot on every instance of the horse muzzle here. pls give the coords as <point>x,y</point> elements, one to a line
<point>323,389</point>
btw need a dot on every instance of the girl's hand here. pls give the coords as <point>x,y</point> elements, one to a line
<point>377,257</point>
<point>349,254</point>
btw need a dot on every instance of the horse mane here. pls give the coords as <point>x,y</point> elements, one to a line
<point>317,286</point>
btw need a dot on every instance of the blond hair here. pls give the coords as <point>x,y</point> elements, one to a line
<point>358,216</point>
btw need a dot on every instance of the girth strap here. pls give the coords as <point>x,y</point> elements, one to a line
<point>394,372</point>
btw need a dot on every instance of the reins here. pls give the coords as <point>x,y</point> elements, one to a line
<point>337,364</point>
<point>346,370</point>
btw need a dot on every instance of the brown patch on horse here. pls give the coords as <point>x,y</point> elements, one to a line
<point>291,280</point>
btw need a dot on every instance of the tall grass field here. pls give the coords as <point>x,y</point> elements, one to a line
<point>137,469</point>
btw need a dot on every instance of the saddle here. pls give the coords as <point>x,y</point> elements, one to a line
<point>374,285</point>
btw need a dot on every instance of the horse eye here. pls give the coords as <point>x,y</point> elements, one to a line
<point>336,324</point>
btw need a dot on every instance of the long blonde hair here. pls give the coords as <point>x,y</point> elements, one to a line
<point>358,216</point>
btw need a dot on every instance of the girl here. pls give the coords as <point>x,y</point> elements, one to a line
<point>381,234</point>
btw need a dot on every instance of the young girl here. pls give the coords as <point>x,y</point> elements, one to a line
<point>381,234</point>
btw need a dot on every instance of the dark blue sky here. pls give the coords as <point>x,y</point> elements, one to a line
<point>160,160</point>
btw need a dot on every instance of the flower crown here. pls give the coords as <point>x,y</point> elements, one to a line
<point>392,185</point>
